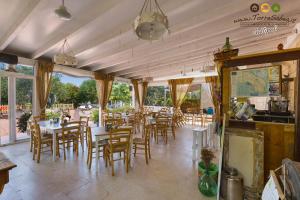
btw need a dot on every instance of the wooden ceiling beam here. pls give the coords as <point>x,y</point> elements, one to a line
<point>22,19</point>
<point>172,69</point>
<point>177,32</point>
<point>186,53</point>
<point>75,26</point>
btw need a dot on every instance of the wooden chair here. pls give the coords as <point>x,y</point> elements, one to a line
<point>189,117</point>
<point>161,128</point>
<point>143,143</point>
<point>36,119</point>
<point>132,122</point>
<point>39,141</point>
<point>117,115</point>
<point>91,145</point>
<point>119,142</point>
<point>71,133</point>
<point>199,119</point>
<point>84,120</point>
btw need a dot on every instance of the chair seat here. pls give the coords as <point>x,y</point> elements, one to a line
<point>117,149</point>
<point>47,135</point>
<point>138,140</point>
<point>100,143</point>
<point>69,136</point>
<point>46,139</point>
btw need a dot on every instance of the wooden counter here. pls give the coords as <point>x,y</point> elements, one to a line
<point>5,166</point>
<point>278,141</point>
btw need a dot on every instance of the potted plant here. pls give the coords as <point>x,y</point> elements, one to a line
<point>95,116</point>
<point>22,123</point>
<point>207,174</point>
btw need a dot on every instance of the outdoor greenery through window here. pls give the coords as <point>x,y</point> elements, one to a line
<point>24,69</point>
<point>120,99</point>
<point>77,92</point>
<point>158,96</point>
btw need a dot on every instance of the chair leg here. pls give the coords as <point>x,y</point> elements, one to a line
<point>149,152</point>
<point>166,136</point>
<point>34,152</point>
<point>173,132</point>
<point>51,147</point>
<point>127,161</point>
<point>88,157</point>
<point>146,154</point>
<point>38,153</point>
<point>90,160</point>
<point>106,158</point>
<point>31,142</point>
<point>134,150</point>
<point>64,147</point>
<point>112,166</point>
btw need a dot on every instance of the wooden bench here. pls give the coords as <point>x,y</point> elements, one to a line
<point>5,166</point>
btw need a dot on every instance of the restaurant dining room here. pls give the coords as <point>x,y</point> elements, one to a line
<point>149,99</point>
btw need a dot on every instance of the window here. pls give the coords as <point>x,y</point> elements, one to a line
<point>23,69</point>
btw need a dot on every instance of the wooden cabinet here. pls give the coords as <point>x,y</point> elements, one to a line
<point>278,143</point>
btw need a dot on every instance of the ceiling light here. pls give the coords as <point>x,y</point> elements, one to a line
<point>152,23</point>
<point>63,58</point>
<point>62,12</point>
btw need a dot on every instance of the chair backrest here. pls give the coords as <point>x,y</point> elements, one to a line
<point>36,131</point>
<point>162,122</point>
<point>114,122</point>
<point>71,127</point>
<point>119,138</point>
<point>147,131</point>
<point>84,120</point>
<point>89,137</point>
<point>131,120</point>
<point>117,115</point>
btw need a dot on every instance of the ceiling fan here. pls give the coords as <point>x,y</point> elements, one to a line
<point>62,12</point>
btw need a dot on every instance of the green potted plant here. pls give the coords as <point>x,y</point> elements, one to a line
<point>22,123</point>
<point>207,174</point>
<point>95,116</point>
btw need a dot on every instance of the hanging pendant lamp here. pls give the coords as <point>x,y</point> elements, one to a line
<point>62,12</point>
<point>151,23</point>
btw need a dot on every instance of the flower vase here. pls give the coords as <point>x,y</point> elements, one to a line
<point>207,185</point>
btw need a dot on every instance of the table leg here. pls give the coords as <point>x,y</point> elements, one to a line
<point>54,146</point>
<point>200,144</point>
<point>97,153</point>
<point>194,147</point>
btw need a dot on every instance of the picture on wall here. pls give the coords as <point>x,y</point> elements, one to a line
<point>256,82</point>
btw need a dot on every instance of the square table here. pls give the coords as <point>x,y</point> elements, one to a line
<point>54,129</point>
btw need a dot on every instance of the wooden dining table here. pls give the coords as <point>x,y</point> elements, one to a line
<point>98,133</point>
<point>54,129</point>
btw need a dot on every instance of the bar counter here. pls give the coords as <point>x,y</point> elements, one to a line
<point>278,140</point>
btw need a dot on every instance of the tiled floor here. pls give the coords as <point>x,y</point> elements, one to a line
<point>169,175</point>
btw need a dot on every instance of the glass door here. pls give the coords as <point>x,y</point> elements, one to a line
<point>24,94</point>
<point>4,111</point>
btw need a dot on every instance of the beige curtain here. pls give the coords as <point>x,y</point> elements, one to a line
<point>178,90</point>
<point>135,84</point>
<point>104,86</point>
<point>43,83</point>
<point>144,93</point>
<point>213,86</point>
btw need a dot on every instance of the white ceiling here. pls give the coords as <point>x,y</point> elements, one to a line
<point>101,35</point>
